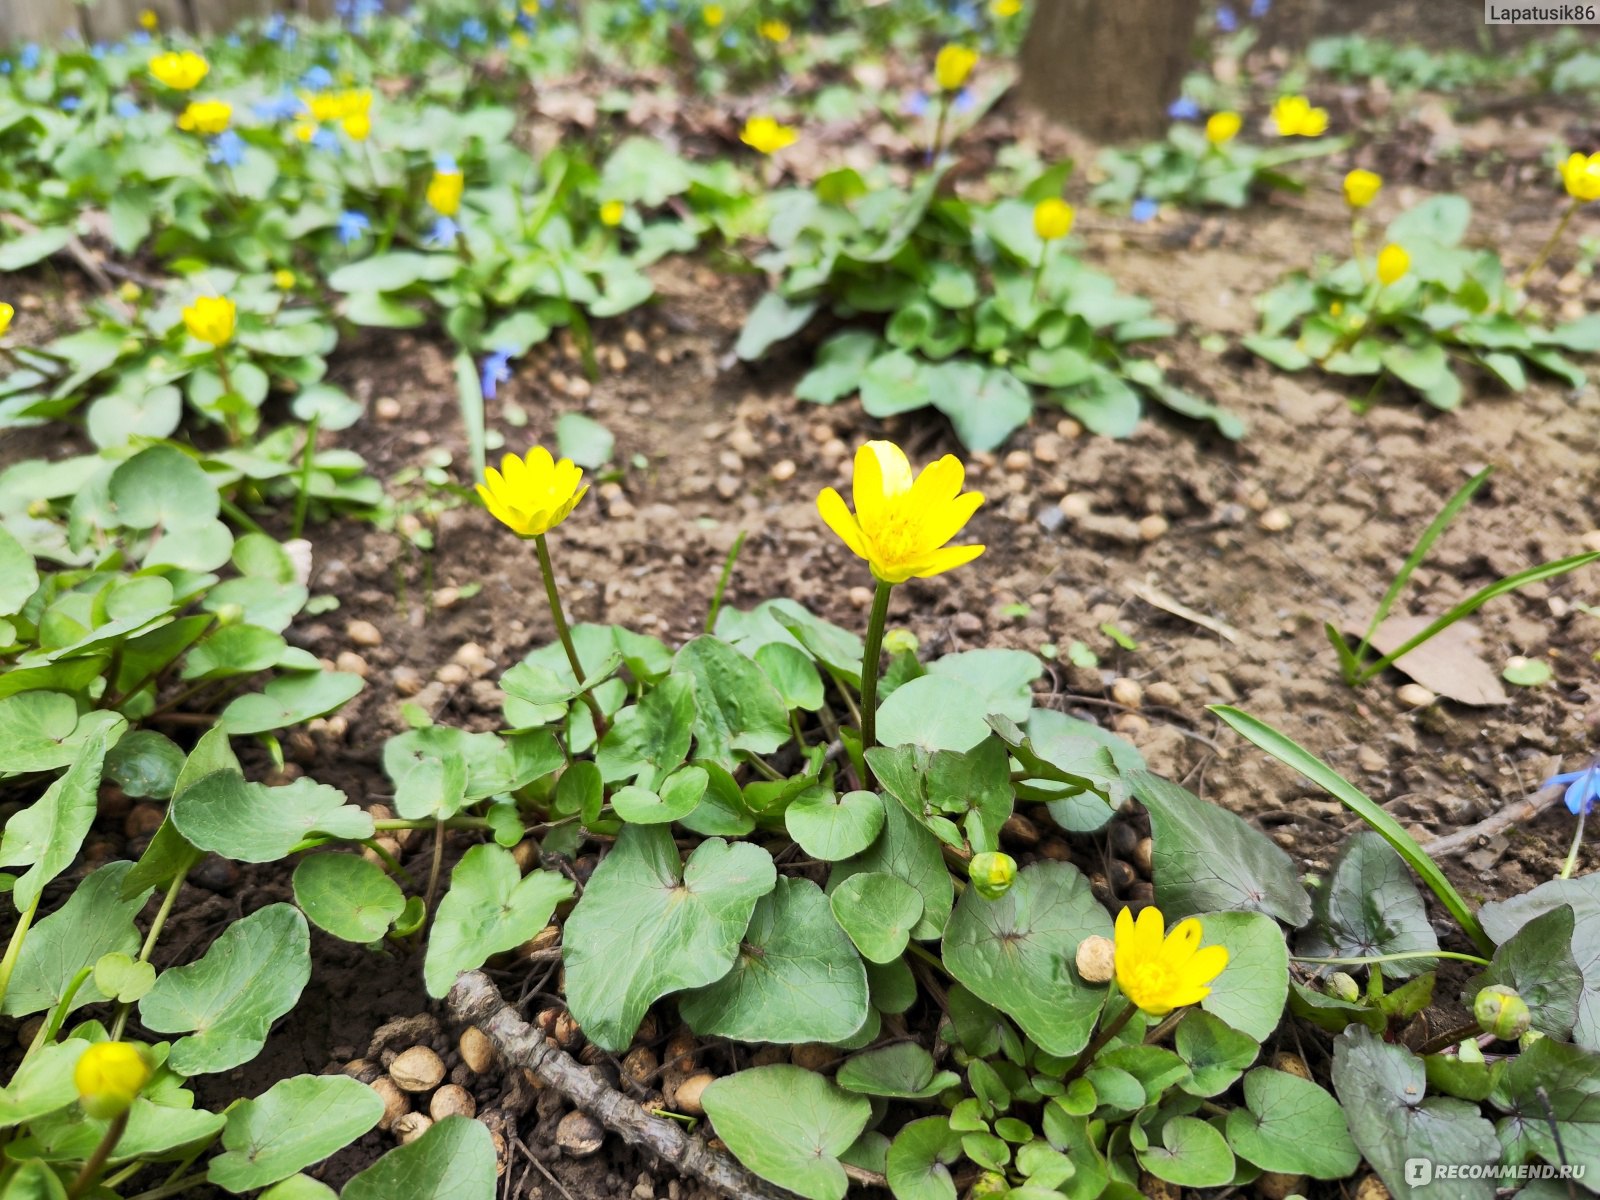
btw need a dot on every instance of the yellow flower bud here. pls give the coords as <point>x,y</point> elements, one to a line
<point>109,1077</point>
<point>713,15</point>
<point>1295,117</point>
<point>283,279</point>
<point>444,192</point>
<point>992,874</point>
<point>6,313</point>
<point>612,212</point>
<point>180,70</point>
<point>148,21</point>
<point>1005,9</point>
<point>1502,1011</point>
<point>954,64</point>
<point>129,292</point>
<point>1361,187</point>
<point>1052,218</point>
<point>1223,127</point>
<point>766,135</point>
<point>1393,263</point>
<point>1581,176</point>
<point>357,126</point>
<point>900,641</point>
<point>210,319</point>
<point>776,31</point>
<point>205,116</point>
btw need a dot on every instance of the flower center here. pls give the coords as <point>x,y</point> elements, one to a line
<point>895,534</point>
<point>1150,984</point>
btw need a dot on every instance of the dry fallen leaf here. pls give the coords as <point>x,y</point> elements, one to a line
<point>1452,663</point>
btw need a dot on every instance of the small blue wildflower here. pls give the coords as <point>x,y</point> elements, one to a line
<point>71,104</point>
<point>5,67</point>
<point>317,79</point>
<point>227,149</point>
<point>351,225</point>
<point>916,104</point>
<point>966,100</point>
<point>1144,210</point>
<point>285,106</point>
<point>473,30</point>
<point>730,39</point>
<point>326,140</point>
<point>274,29</point>
<point>139,37</point>
<point>496,370</point>
<point>98,50</point>
<point>125,108</point>
<point>1260,8</point>
<point>1583,787</point>
<point>444,232</point>
<point>1227,20</point>
<point>29,58</point>
<point>1183,109</point>
<point>445,164</point>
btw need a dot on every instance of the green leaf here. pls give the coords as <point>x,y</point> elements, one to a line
<point>1537,961</point>
<point>901,1072</point>
<point>650,739</point>
<point>28,248</point>
<point>736,706</point>
<point>1205,857</point>
<point>169,853</point>
<point>1552,1083</point>
<point>893,383</point>
<point>34,1180</point>
<point>680,794</point>
<point>831,827</point>
<point>392,271</point>
<point>1250,993</point>
<point>985,405</point>
<point>920,1158</point>
<point>1369,905</point>
<point>145,764</point>
<point>1217,1054</point>
<point>235,650</point>
<point>1002,679</point>
<point>1384,1093</point>
<point>290,700</point>
<point>294,1123</point>
<point>1192,1154</point>
<point>797,978</point>
<point>935,712</point>
<point>95,921</point>
<point>490,907</point>
<point>1290,1125</point>
<point>299,1187</point>
<point>347,896</point>
<point>163,487</point>
<point>794,675</point>
<point>250,822</point>
<point>1439,219</point>
<point>1017,952</point>
<point>1504,919</point>
<point>18,576</point>
<point>41,731</point>
<point>789,1126</point>
<point>47,835</point>
<point>878,911</point>
<point>228,999</point>
<point>454,1160</point>
<point>840,364</point>
<point>906,849</point>
<point>41,1084</point>
<point>120,977</point>
<point>429,770</point>
<point>584,440</point>
<point>648,924</point>
<point>774,318</point>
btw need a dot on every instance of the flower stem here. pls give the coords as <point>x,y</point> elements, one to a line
<point>870,663</point>
<point>564,633</point>
<point>1577,840</point>
<point>1357,247</point>
<point>97,1160</point>
<point>146,950</point>
<point>228,418</point>
<point>1107,1031</point>
<point>9,962</point>
<point>938,132</point>
<point>1550,245</point>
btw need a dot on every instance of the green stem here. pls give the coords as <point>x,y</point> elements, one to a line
<point>433,873</point>
<point>1107,1032</point>
<point>564,633</point>
<point>59,1016</point>
<point>1550,245</point>
<point>722,582</point>
<point>302,500</point>
<point>1577,840</point>
<point>1357,247</point>
<point>383,826</point>
<point>97,1160</point>
<point>1383,958</point>
<point>176,1188</point>
<point>871,661</point>
<point>938,132</point>
<point>1449,1038</point>
<point>149,947</point>
<point>9,962</point>
<point>230,421</point>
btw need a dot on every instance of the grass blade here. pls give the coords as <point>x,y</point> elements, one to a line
<point>470,390</point>
<point>1286,750</point>
<point>1430,535</point>
<point>1349,662</point>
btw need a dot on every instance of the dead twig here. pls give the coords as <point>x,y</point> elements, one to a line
<point>1512,814</point>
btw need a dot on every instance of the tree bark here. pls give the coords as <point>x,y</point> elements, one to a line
<point>1108,68</point>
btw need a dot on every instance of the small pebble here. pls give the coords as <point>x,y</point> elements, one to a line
<point>352,663</point>
<point>1414,695</point>
<point>418,1069</point>
<point>387,408</point>
<point>1153,527</point>
<point>784,470</point>
<point>363,633</point>
<point>1275,520</point>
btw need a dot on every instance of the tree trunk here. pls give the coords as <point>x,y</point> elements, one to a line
<point>1108,68</point>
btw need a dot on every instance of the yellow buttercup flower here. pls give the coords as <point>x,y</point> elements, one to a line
<point>1393,263</point>
<point>767,135</point>
<point>148,20</point>
<point>1295,117</point>
<point>1158,971</point>
<point>6,313</point>
<point>1581,175</point>
<point>180,70</point>
<point>901,525</point>
<point>1005,9</point>
<point>205,116</point>
<point>109,1077</point>
<point>444,192</point>
<point>775,31</point>
<point>713,15</point>
<point>953,65</point>
<point>357,126</point>
<point>1052,218</point>
<point>283,279</point>
<point>612,212</point>
<point>1361,187</point>
<point>533,496</point>
<point>1223,127</point>
<point>211,319</point>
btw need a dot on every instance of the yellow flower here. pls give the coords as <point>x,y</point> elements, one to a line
<point>1582,177</point>
<point>210,319</point>
<point>1294,117</point>
<point>1004,9</point>
<point>1393,263</point>
<point>766,135</point>
<point>535,496</point>
<point>180,70</point>
<point>6,313</point>
<point>205,116</point>
<point>1159,972</point>
<point>444,192</point>
<point>1361,187</point>
<point>775,31</point>
<point>1222,127</point>
<point>713,15</point>
<point>283,279</point>
<point>901,525</point>
<point>148,20</point>
<point>954,64</point>
<point>109,1076</point>
<point>1053,218</point>
<point>612,212</point>
<point>357,126</point>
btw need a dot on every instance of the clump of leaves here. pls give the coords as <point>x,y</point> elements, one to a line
<point>1187,168</point>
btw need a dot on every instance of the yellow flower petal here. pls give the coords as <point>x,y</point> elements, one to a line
<point>940,561</point>
<point>837,517</point>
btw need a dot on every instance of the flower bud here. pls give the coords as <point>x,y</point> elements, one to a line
<point>1501,1011</point>
<point>989,1185</point>
<point>992,874</point>
<point>900,641</point>
<point>1097,959</point>
<point>129,292</point>
<point>1342,987</point>
<point>1527,1040</point>
<point>229,614</point>
<point>109,1076</point>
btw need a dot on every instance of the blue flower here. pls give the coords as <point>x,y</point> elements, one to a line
<point>1227,21</point>
<point>317,79</point>
<point>444,232</point>
<point>1183,109</point>
<point>916,104</point>
<point>125,108</point>
<point>71,104</point>
<point>445,164</point>
<point>139,38</point>
<point>285,106</point>
<point>473,30</point>
<point>1260,8</point>
<point>966,100</point>
<point>496,370</point>
<point>1144,210</point>
<point>1583,787</point>
<point>29,58</point>
<point>327,140</point>
<point>227,149</point>
<point>351,225</point>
